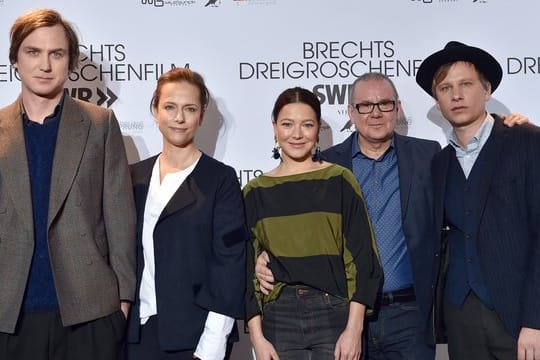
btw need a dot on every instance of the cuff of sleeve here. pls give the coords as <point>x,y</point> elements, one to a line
<point>213,341</point>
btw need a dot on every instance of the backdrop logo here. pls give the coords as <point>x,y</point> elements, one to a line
<point>255,2</point>
<point>523,65</point>
<point>156,3</point>
<point>330,60</point>
<point>245,175</point>
<point>169,3</point>
<point>213,3</point>
<point>102,97</point>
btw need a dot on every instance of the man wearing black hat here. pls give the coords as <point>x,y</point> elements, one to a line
<point>487,198</point>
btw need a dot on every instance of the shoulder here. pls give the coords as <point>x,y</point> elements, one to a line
<point>430,146</point>
<point>149,162</point>
<point>343,147</point>
<point>211,173</point>
<point>87,107</point>
<point>208,164</point>
<point>142,168</point>
<point>10,111</point>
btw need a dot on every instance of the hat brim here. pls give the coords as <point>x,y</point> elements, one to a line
<point>484,62</point>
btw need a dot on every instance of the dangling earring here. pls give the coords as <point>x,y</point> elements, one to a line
<point>275,151</point>
<point>317,154</point>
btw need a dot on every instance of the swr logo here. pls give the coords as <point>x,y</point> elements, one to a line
<point>97,96</point>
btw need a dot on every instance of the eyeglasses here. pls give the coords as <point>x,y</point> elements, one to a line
<point>383,106</point>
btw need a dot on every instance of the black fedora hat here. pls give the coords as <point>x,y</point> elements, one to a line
<point>456,51</point>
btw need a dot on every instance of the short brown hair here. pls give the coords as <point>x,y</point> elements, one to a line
<point>35,19</point>
<point>442,71</point>
<point>180,75</point>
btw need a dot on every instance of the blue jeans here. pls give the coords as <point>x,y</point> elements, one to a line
<point>304,323</point>
<point>394,333</point>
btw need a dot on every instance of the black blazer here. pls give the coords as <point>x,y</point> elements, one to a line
<point>199,246</point>
<point>508,227</point>
<point>414,159</point>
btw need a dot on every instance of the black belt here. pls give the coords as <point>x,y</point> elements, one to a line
<point>391,297</point>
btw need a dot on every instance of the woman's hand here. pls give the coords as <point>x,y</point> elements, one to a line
<point>264,350</point>
<point>349,345</point>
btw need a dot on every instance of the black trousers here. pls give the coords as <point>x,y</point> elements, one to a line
<point>41,336</point>
<point>476,332</point>
<point>149,347</point>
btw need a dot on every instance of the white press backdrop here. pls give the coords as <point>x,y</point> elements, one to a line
<point>250,50</point>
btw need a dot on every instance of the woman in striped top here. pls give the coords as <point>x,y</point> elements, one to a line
<point>310,217</point>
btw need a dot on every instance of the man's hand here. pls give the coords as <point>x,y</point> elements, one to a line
<point>264,274</point>
<point>514,119</point>
<point>529,344</point>
<point>124,306</point>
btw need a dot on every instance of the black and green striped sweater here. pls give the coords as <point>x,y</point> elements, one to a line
<point>316,229</point>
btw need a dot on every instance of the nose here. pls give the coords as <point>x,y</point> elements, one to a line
<point>456,94</point>
<point>376,111</point>
<point>297,132</point>
<point>45,64</point>
<point>179,116</point>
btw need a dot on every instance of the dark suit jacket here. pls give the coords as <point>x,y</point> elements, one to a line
<point>414,158</point>
<point>508,225</point>
<point>199,248</point>
<point>91,220</point>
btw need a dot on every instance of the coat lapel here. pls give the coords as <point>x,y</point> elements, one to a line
<point>141,175</point>
<point>439,175</point>
<point>405,170</point>
<point>14,163</point>
<point>182,198</point>
<point>70,145</point>
<point>188,193</point>
<point>490,154</point>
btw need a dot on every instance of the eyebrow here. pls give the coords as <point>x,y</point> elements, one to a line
<point>30,47</point>
<point>371,102</point>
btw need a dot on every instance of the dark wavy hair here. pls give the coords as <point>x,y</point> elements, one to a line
<point>297,95</point>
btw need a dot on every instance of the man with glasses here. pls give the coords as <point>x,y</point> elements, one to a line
<point>393,172</point>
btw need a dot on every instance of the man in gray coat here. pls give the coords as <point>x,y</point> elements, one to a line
<point>67,233</point>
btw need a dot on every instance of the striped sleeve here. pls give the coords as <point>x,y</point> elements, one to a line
<point>362,266</point>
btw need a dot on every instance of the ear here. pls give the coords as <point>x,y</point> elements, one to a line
<point>488,92</point>
<point>201,118</point>
<point>350,111</point>
<point>274,125</point>
<point>398,106</point>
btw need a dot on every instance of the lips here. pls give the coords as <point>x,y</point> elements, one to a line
<point>459,108</point>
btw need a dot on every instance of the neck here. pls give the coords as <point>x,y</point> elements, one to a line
<point>175,159</point>
<point>37,108</point>
<point>464,134</point>
<point>371,149</point>
<point>291,167</point>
